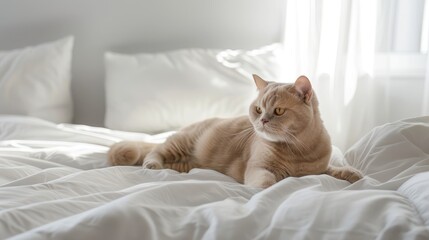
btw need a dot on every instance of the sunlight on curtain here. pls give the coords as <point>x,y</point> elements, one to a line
<point>425,50</point>
<point>425,29</point>
<point>337,43</point>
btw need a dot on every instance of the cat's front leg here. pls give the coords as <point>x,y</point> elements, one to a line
<point>259,177</point>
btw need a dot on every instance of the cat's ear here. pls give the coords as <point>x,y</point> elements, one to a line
<point>303,87</point>
<point>260,83</point>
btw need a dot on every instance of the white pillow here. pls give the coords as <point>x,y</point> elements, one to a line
<point>166,91</point>
<point>35,81</point>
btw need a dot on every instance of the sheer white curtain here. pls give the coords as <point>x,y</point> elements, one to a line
<point>344,47</point>
<point>425,49</point>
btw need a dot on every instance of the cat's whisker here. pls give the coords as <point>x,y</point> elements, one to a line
<point>248,133</point>
<point>233,133</point>
<point>301,144</point>
<point>241,136</point>
<point>286,142</point>
<point>285,139</point>
<point>297,141</point>
<point>290,142</point>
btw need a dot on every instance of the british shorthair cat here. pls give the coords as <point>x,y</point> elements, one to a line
<point>283,136</point>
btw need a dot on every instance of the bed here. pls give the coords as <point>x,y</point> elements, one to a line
<point>70,87</point>
<point>55,184</point>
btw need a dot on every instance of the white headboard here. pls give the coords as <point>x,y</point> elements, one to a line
<point>133,26</point>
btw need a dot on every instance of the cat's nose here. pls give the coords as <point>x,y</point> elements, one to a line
<point>264,120</point>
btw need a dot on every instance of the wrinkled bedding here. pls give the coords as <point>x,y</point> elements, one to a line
<point>55,184</point>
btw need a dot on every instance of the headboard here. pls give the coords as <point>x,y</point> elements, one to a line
<point>134,26</point>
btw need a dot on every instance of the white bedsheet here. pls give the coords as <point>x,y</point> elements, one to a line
<point>55,184</point>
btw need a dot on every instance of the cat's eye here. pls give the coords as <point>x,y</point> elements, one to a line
<point>258,110</point>
<point>279,111</point>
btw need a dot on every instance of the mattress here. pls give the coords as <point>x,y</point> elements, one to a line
<point>55,183</point>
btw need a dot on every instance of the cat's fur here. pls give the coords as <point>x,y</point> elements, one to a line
<point>283,136</point>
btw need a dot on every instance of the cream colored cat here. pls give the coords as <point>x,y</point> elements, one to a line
<point>283,136</point>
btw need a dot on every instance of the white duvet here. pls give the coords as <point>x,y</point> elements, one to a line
<point>55,184</point>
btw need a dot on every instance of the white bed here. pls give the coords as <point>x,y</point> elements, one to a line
<point>55,184</point>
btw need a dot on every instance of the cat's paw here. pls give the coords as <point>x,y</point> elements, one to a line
<point>262,184</point>
<point>267,183</point>
<point>124,153</point>
<point>152,164</point>
<point>259,177</point>
<point>345,173</point>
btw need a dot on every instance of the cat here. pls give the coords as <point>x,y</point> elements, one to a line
<point>283,136</point>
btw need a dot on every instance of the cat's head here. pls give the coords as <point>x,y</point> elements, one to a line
<point>282,111</point>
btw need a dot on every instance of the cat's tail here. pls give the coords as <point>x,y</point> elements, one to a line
<point>129,153</point>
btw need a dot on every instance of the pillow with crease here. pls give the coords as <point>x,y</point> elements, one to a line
<point>166,91</point>
<point>35,81</point>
